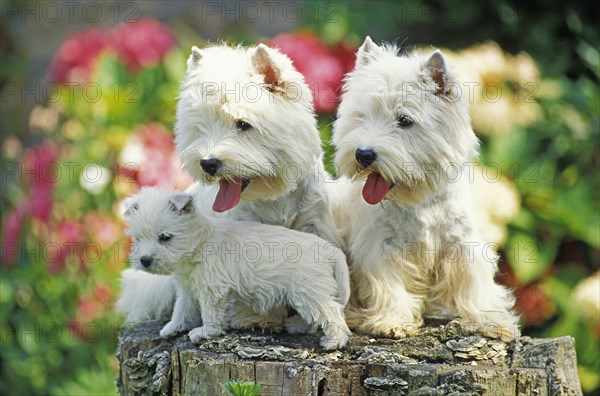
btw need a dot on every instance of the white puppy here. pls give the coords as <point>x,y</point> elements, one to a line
<point>403,134</point>
<point>216,262</point>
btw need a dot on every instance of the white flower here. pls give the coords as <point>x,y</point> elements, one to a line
<point>497,202</point>
<point>94,178</point>
<point>587,297</point>
<point>133,152</point>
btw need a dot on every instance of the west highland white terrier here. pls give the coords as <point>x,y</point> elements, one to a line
<point>404,136</point>
<point>216,262</point>
<point>245,121</point>
<point>246,125</point>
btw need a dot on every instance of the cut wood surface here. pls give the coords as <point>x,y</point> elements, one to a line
<point>441,360</point>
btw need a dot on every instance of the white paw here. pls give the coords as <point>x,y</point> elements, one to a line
<point>170,328</point>
<point>204,332</point>
<point>400,329</point>
<point>504,332</point>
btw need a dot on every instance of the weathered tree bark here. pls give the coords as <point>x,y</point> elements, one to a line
<point>441,360</point>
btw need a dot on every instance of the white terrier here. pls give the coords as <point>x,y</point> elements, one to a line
<point>403,134</point>
<point>246,123</point>
<point>218,261</point>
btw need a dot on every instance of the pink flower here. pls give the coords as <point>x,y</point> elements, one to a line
<point>11,235</point>
<point>66,241</point>
<point>76,56</point>
<point>101,229</point>
<point>346,54</point>
<point>323,69</point>
<point>39,171</point>
<point>152,151</point>
<point>142,44</point>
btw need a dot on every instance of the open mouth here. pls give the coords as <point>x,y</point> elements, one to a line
<point>375,188</point>
<point>229,194</point>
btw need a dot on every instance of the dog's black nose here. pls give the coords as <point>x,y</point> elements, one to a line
<point>365,157</point>
<point>146,261</point>
<point>210,165</point>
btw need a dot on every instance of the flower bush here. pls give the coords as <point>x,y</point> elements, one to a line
<point>63,245</point>
<point>109,133</point>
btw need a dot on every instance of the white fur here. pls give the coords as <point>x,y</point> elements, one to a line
<point>281,155</point>
<point>138,303</point>
<point>216,262</point>
<point>418,250</point>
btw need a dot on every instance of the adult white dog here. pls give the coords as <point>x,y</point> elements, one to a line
<point>404,136</point>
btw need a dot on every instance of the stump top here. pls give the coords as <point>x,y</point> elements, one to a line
<point>439,359</point>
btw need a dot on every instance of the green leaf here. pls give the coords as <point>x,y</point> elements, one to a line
<point>574,207</point>
<point>527,257</point>
<point>242,388</point>
<point>508,150</point>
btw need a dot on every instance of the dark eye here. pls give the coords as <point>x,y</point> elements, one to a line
<point>404,122</point>
<point>242,125</point>
<point>164,237</point>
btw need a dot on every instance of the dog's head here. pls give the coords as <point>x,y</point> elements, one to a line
<point>245,120</point>
<point>402,124</point>
<point>165,229</point>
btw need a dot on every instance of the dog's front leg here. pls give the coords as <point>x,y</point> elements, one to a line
<point>213,319</point>
<point>185,314</point>
<point>484,305</point>
<point>386,307</point>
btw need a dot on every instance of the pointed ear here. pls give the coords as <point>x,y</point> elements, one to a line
<point>365,53</point>
<point>438,72</point>
<point>131,206</point>
<point>264,65</point>
<point>195,57</point>
<point>182,203</point>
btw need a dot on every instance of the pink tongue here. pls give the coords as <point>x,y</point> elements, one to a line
<point>375,188</point>
<point>228,195</point>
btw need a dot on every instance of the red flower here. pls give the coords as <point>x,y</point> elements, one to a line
<point>534,305</point>
<point>66,242</point>
<point>102,293</point>
<point>142,44</point>
<point>88,309</point>
<point>323,69</point>
<point>76,56</point>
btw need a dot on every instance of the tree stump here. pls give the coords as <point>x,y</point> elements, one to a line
<point>442,359</point>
